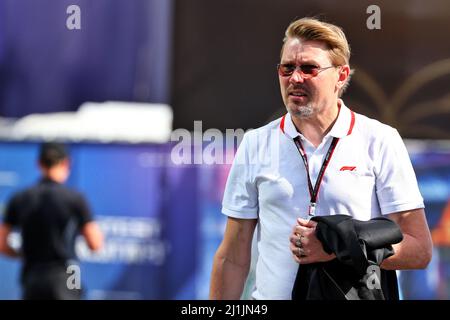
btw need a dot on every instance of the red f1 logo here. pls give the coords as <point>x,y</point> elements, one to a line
<point>347,168</point>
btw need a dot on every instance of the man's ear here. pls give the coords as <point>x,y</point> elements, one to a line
<point>344,75</point>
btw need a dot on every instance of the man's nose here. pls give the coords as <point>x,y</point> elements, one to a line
<point>296,77</point>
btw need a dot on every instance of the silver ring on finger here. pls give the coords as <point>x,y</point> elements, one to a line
<point>301,252</point>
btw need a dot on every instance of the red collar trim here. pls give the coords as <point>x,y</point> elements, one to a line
<point>352,124</point>
<point>282,123</point>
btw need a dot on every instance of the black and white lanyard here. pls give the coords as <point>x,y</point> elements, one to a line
<point>314,192</point>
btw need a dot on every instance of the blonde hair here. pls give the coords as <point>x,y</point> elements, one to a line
<point>330,34</point>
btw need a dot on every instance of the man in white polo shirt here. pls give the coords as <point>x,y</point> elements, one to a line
<point>321,158</point>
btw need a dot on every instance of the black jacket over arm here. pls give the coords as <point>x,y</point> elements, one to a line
<point>360,248</point>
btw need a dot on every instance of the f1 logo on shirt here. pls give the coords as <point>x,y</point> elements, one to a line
<point>348,168</point>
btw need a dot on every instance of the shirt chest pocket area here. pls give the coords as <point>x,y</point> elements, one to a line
<point>350,182</point>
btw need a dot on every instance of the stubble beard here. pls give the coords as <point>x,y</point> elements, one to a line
<point>305,111</point>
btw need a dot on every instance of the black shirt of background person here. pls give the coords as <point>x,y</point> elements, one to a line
<point>50,216</point>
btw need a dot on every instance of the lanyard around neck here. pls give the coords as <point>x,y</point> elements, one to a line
<point>314,191</point>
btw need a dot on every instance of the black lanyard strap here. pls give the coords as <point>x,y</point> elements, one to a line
<point>314,192</point>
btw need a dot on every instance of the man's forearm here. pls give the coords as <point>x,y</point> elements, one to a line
<point>409,254</point>
<point>227,279</point>
<point>415,250</point>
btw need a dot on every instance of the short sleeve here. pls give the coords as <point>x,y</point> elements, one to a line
<point>396,183</point>
<point>84,214</point>
<point>12,212</point>
<point>240,198</point>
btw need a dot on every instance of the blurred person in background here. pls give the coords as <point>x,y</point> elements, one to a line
<point>49,217</point>
<point>360,166</point>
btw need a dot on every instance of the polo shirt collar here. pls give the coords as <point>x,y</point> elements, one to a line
<point>342,127</point>
<point>288,127</point>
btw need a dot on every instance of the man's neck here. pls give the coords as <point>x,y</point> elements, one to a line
<point>316,127</point>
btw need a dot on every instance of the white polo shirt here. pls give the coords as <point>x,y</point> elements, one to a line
<point>369,174</point>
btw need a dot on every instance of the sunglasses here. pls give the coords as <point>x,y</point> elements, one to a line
<point>307,71</point>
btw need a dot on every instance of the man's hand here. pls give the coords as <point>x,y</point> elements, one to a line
<point>5,231</point>
<point>305,246</point>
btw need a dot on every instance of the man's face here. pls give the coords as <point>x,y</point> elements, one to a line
<point>307,97</point>
<point>59,172</point>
